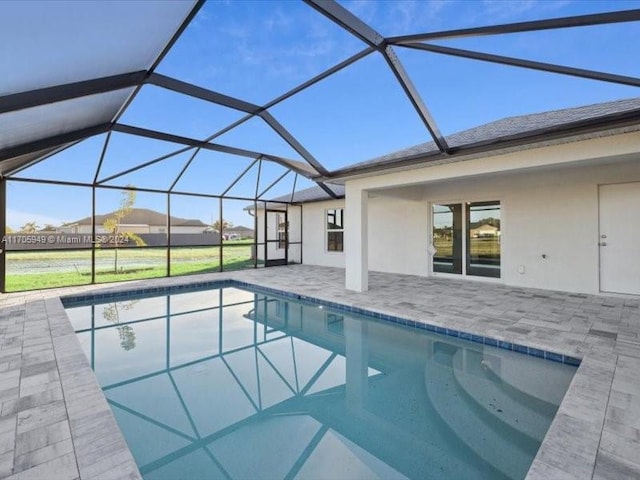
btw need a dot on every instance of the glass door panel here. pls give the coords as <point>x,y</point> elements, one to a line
<point>276,237</point>
<point>483,239</point>
<point>447,238</point>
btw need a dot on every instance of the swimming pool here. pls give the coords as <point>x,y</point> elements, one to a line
<point>229,382</point>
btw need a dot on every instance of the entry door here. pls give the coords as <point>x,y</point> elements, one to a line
<point>277,238</point>
<point>620,238</point>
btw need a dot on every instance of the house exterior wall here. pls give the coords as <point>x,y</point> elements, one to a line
<point>397,234</point>
<point>552,213</point>
<point>549,206</point>
<point>314,235</point>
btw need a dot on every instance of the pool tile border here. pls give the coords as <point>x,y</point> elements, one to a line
<point>69,301</point>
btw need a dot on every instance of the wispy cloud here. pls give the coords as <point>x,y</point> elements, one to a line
<point>504,11</point>
<point>288,43</point>
<point>278,20</point>
<point>415,15</point>
<point>365,10</point>
<point>393,17</point>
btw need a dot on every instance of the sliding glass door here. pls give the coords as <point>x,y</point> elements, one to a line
<point>466,238</point>
<point>483,239</point>
<point>447,238</point>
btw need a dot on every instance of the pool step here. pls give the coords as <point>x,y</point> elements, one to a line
<point>515,408</point>
<point>506,449</point>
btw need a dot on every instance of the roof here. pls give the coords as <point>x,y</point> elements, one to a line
<point>239,228</point>
<point>312,194</point>
<point>143,216</point>
<point>509,127</point>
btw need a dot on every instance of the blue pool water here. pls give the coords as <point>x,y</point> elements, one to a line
<point>236,384</point>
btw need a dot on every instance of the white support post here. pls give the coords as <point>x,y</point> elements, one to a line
<point>356,239</point>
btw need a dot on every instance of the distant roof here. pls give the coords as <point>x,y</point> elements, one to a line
<point>238,228</point>
<point>509,127</point>
<point>143,216</point>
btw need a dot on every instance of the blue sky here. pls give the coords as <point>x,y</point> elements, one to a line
<point>257,50</point>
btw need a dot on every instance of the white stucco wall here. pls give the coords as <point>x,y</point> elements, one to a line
<point>397,233</point>
<point>549,199</point>
<point>554,213</point>
<point>314,235</point>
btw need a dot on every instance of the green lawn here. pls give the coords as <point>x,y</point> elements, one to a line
<point>35,270</point>
<point>480,247</point>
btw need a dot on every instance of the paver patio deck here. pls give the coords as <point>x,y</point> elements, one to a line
<point>55,422</point>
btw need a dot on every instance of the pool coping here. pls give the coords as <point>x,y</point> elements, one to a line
<point>582,442</point>
<point>100,448</point>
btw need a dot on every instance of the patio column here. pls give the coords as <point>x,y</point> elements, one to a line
<point>356,239</point>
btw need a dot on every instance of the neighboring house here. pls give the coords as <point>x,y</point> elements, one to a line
<point>139,221</point>
<point>239,232</point>
<point>484,230</point>
<point>583,187</point>
<point>149,225</point>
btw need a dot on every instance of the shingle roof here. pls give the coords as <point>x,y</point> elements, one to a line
<point>144,216</point>
<point>238,228</point>
<point>510,126</point>
<point>312,194</point>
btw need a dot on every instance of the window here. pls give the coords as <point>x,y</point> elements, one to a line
<point>466,238</point>
<point>335,230</point>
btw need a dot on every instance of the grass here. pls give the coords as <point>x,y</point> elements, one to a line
<point>480,247</point>
<point>135,264</point>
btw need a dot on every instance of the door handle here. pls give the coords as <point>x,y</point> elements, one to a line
<point>602,244</point>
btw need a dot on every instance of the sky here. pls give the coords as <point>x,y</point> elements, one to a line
<point>258,50</point>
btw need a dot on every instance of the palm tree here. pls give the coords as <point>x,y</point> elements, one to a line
<point>29,227</point>
<point>221,226</point>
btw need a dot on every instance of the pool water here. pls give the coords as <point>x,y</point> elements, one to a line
<point>236,384</point>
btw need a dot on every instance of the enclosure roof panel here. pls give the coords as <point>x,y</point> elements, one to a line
<point>26,159</point>
<point>45,121</point>
<point>60,42</point>
<point>54,44</point>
